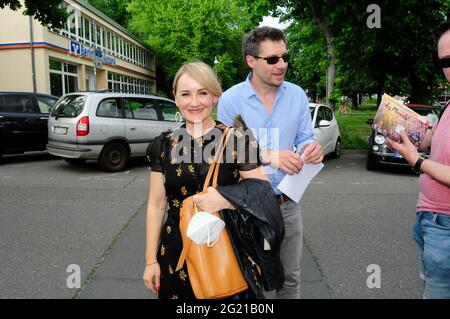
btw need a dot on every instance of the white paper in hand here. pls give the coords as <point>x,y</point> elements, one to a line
<point>205,228</point>
<point>295,185</point>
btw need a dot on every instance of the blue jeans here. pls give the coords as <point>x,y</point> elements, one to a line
<point>432,233</point>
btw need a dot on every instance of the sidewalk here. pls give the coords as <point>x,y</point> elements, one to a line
<point>119,276</point>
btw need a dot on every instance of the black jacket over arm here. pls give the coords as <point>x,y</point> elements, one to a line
<point>256,229</point>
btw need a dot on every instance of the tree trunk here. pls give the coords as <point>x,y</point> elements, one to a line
<point>354,97</point>
<point>379,95</point>
<point>331,71</point>
<point>418,90</point>
<point>360,97</point>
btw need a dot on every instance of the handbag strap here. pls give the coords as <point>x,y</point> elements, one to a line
<point>213,168</point>
<point>215,164</point>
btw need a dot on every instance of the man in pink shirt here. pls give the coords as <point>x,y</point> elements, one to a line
<point>432,227</point>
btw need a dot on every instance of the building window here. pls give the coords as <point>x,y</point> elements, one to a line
<point>63,77</point>
<point>81,28</point>
<point>127,84</point>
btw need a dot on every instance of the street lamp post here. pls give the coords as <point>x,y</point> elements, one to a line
<point>215,63</point>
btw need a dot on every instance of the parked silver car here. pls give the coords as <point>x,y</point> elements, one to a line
<point>326,129</point>
<point>108,127</point>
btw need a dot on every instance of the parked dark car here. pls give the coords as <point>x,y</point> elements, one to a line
<point>378,154</point>
<point>23,121</point>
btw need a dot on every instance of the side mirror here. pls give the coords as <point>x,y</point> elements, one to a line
<point>370,121</point>
<point>324,123</point>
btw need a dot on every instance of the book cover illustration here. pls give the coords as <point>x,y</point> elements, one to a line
<point>393,117</point>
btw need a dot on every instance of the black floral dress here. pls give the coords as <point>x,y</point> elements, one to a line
<point>184,163</point>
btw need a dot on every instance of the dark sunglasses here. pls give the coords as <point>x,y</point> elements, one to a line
<point>274,59</point>
<point>443,63</point>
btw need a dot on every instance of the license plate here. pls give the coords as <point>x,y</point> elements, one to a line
<point>60,130</point>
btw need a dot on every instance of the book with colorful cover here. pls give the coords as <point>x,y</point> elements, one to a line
<point>393,117</point>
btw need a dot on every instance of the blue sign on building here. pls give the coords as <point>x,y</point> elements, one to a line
<point>75,47</point>
<point>82,50</point>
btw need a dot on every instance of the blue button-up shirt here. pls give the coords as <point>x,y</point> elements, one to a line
<point>288,126</point>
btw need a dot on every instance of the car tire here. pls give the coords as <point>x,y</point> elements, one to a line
<point>370,163</point>
<point>114,157</point>
<point>337,149</point>
<point>75,161</point>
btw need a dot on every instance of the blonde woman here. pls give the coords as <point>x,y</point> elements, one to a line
<point>196,90</point>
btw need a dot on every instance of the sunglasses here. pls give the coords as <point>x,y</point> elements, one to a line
<point>274,59</point>
<point>444,63</point>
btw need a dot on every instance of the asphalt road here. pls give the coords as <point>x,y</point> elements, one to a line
<point>354,218</point>
<point>53,215</point>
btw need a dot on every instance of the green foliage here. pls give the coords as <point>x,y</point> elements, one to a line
<point>309,59</point>
<point>47,12</point>
<point>399,57</point>
<point>115,9</point>
<point>180,31</point>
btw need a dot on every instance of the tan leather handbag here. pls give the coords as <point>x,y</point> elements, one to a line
<point>214,272</point>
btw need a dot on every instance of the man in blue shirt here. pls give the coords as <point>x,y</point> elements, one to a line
<point>278,114</point>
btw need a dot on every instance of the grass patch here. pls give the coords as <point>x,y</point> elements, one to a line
<point>354,129</point>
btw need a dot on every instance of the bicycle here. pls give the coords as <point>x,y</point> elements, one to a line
<point>345,110</point>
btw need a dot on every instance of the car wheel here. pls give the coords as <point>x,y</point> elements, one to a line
<point>114,157</point>
<point>337,149</point>
<point>370,163</point>
<point>75,161</point>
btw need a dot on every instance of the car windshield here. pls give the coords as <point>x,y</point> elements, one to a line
<point>311,110</point>
<point>69,106</point>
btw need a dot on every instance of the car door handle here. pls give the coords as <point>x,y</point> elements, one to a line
<point>44,118</point>
<point>132,129</point>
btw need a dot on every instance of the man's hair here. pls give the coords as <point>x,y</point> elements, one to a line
<point>252,40</point>
<point>441,29</point>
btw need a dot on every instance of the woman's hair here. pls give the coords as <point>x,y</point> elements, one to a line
<point>202,73</point>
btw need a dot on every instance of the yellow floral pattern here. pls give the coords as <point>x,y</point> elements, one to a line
<point>183,275</point>
<point>182,179</point>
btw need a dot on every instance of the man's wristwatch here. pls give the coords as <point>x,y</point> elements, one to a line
<point>418,164</point>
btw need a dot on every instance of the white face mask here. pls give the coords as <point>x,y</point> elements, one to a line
<point>205,228</point>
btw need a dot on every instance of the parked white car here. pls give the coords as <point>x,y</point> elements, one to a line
<point>108,127</point>
<point>326,129</point>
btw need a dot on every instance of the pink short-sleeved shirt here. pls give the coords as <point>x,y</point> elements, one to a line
<point>435,196</point>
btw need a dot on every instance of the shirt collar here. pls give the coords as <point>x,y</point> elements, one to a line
<point>249,91</point>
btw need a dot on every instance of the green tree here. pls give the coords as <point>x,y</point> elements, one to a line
<point>398,58</point>
<point>47,12</point>
<point>179,31</point>
<point>115,9</point>
<point>308,64</point>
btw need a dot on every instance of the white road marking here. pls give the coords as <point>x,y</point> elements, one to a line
<point>98,177</point>
<point>363,183</point>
